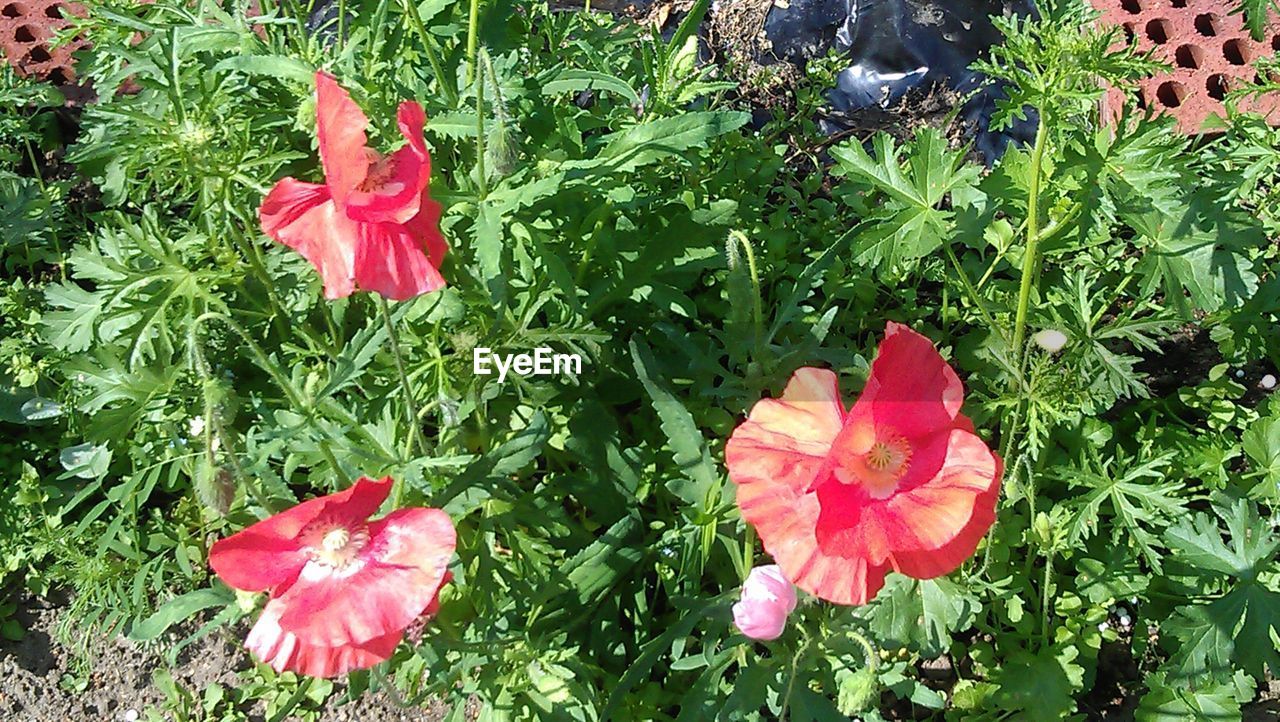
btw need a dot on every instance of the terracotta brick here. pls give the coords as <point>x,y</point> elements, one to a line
<point>1209,48</point>
<point>27,28</point>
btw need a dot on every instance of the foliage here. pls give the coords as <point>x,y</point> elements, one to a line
<point>168,375</point>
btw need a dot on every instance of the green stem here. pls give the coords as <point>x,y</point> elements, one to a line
<point>1102,311</point>
<point>1044,598</point>
<point>473,28</point>
<point>757,307</point>
<point>411,406</point>
<point>481,174</point>
<point>873,661</point>
<point>273,370</point>
<point>44,191</point>
<point>791,681</point>
<point>1030,261</point>
<point>968,286</point>
<point>428,46</point>
<point>213,425</point>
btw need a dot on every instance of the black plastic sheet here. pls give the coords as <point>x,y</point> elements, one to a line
<point>894,46</point>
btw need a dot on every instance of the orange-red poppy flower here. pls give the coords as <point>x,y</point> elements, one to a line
<point>898,482</point>
<point>371,225</point>
<point>343,588</point>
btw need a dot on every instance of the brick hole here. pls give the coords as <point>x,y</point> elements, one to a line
<point>36,56</point>
<point>12,10</point>
<point>1236,52</point>
<point>1170,94</point>
<point>1275,43</point>
<point>53,11</point>
<point>24,35</point>
<point>1133,7</point>
<point>1141,100</point>
<point>58,76</point>
<point>1216,86</point>
<point>1179,3</point>
<point>1129,35</point>
<point>1158,31</point>
<point>1188,56</point>
<point>1207,24</point>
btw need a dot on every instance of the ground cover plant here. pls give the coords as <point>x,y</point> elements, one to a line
<point>862,427</point>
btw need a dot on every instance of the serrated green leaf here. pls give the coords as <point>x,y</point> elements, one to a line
<point>689,449</point>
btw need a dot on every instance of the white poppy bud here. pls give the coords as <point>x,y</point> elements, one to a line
<point>1051,340</point>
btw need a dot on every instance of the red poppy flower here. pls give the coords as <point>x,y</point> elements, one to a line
<point>898,482</point>
<point>343,588</point>
<point>372,225</point>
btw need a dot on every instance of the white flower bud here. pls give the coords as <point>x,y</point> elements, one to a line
<point>1051,340</point>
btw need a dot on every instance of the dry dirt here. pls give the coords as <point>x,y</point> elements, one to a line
<point>42,680</point>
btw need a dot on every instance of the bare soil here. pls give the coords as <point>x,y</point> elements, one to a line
<point>110,679</point>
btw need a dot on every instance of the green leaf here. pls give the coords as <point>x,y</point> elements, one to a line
<point>647,143</point>
<point>280,67</point>
<point>1201,702</point>
<point>912,221</point>
<point>1043,685</point>
<point>1199,544</point>
<point>573,81</point>
<point>1262,444</point>
<point>921,614</point>
<point>689,449</point>
<point>177,610</point>
<point>597,568</point>
<point>1255,16</point>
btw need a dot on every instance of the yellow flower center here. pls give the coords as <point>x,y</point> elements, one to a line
<point>333,546</point>
<point>873,458</point>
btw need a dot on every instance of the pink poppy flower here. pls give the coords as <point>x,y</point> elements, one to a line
<point>767,598</point>
<point>343,589</point>
<point>898,482</point>
<point>371,225</point>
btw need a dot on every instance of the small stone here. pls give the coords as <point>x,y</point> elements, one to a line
<point>1051,340</point>
<point>1239,373</point>
<point>1103,626</point>
<point>1268,382</point>
<point>130,715</point>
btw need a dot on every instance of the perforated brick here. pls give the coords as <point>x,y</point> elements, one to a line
<point>1209,48</point>
<point>27,28</point>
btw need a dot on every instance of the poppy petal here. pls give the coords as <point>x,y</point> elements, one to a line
<point>399,197</point>
<point>304,217</point>
<point>929,563</point>
<point>391,260</point>
<point>920,527</point>
<point>267,554</point>
<point>774,457</point>
<point>340,128</point>
<point>911,388</point>
<point>284,651</point>
<point>401,571</point>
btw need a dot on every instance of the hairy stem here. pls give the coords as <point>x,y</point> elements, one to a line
<point>757,310</point>
<point>429,47</point>
<point>290,391</point>
<point>410,405</point>
<point>968,286</point>
<point>1030,260</point>
<point>473,29</point>
<point>481,175</point>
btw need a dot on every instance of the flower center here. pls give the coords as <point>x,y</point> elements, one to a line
<point>890,456</point>
<point>873,458</point>
<point>381,170</point>
<point>332,545</point>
